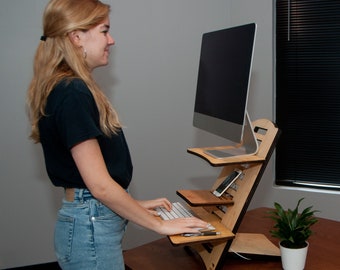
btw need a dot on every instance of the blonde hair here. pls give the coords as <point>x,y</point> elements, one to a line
<point>57,58</point>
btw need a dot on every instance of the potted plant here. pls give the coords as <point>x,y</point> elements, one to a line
<point>293,230</point>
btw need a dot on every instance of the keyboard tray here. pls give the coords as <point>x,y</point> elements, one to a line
<point>200,212</point>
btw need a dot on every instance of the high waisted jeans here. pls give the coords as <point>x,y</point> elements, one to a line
<point>88,235</point>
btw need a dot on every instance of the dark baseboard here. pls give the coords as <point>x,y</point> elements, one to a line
<point>45,266</point>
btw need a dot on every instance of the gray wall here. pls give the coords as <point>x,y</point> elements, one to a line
<point>151,81</point>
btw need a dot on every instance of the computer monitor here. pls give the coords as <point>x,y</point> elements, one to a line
<point>222,88</point>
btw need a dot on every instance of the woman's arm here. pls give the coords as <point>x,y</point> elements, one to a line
<point>90,162</point>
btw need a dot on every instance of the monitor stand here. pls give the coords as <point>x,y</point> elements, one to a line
<point>248,146</point>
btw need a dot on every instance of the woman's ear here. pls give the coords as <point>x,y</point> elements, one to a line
<point>75,38</point>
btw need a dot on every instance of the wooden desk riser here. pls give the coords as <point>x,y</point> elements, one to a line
<point>205,205</point>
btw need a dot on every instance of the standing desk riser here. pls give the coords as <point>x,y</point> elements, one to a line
<point>226,219</point>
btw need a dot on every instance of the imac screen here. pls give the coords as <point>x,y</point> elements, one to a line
<point>223,80</point>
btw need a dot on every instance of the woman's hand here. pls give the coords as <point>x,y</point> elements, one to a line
<point>174,226</point>
<point>182,225</point>
<point>150,205</point>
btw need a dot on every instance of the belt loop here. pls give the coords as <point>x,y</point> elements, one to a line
<point>81,194</point>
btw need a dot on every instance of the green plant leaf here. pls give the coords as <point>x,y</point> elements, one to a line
<point>292,228</point>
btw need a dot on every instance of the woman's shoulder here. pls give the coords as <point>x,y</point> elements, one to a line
<point>69,91</point>
<point>72,85</point>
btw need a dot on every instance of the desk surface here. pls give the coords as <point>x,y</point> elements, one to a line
<point>323,251</point>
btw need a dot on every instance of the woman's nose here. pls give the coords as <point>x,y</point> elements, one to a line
<point>111,41</point>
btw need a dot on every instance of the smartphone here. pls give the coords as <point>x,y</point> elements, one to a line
<point>227,182</point>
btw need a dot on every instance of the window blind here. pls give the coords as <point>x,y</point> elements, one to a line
<point>308,93</point>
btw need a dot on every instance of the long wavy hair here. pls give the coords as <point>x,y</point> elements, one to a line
<point>58,58</point>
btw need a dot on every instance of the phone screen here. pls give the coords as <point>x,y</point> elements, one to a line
<point>226,183</point>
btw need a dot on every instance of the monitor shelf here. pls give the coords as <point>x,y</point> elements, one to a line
<point>263,129</point>
<point>201,152</point>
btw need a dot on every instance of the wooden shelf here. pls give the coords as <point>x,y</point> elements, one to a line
<point>216,162</point>
<point>225,233</point>
<point>255,244</point>
<point>203,198</point>
<point>266,133</point>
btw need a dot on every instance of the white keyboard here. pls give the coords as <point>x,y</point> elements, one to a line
<point>177,211</point>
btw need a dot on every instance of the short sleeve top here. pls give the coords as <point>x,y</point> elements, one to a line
<point>71,117</point>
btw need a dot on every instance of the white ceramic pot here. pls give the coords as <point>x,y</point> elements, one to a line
<point>293,259</point>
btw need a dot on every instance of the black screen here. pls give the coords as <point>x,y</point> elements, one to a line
<point>224,72</point>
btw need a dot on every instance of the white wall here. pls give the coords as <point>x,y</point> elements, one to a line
<point>27,200</point>
<point>151,80</point>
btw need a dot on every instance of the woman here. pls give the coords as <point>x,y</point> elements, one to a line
<point>84,146</point>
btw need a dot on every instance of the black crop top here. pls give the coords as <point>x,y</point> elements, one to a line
<point>72,117</point>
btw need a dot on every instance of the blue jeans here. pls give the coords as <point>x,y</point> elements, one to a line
<point>88,235</point>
